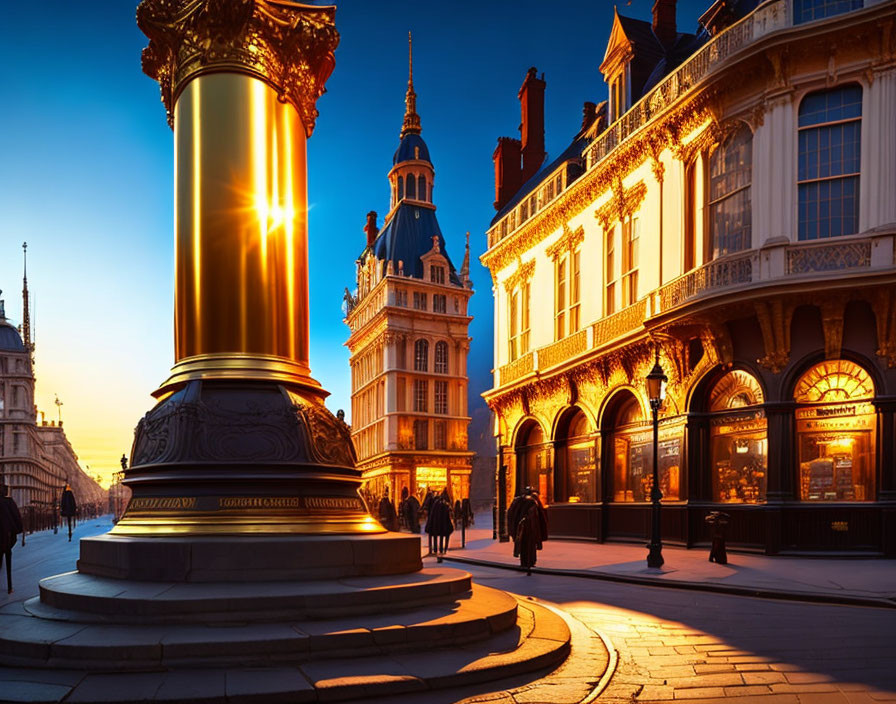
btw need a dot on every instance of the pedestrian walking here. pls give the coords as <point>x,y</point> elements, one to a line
<point>527,524</point>
<point>410,511</point>
<point>10,527</point>
<point>388,517</point>
<point>440,524</point>
<point>68,508</point>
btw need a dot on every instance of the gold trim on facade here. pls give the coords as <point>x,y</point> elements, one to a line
<point>289,45</point>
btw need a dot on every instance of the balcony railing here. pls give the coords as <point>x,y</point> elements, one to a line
<point>516,369</point>
<point>829,256</point>
<point>560,351</point>
<point>619,324</point>
<point>770,17</point>
<point>716,275</point>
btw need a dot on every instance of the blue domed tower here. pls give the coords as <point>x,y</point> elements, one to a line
<point>409,338</point>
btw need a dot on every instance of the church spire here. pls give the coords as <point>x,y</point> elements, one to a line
<point>26,306</point>
<point>465,267</point>
<point>411,124</point>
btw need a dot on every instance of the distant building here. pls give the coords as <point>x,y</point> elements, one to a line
<point>409,340</point>
<point>733,206</point>
<point>36,459</point>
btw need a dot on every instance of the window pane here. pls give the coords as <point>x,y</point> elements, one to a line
<point>828,208</point>
<point>831,105</point>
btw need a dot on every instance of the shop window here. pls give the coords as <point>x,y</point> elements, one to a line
<point>738,439</point>
<point>830,126</point>
<point>581,475</point>
<point>421,356</point>
<point>535,464</point>
<point>808,10</point>
<point>730,175</point>
<point>441,357</point>
<point>632,446</point>
<point>835,426</point>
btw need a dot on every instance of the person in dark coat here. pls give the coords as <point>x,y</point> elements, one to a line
<point>467,510</point>
<point>527,525</point>
<point>388,517</point>
<point>410,511</point>
<point>440,524</point>
<point>10,527</point>
<point>68,508</point>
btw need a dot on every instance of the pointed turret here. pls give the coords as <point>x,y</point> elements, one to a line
<point>411,124</point>
<point>465,267</point>
<point>26,305</point>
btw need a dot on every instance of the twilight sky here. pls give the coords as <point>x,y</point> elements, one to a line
<point>86,176</point>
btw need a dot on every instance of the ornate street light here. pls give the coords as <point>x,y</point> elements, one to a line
<point>656,392</point>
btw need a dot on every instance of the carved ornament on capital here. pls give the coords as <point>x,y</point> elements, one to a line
<point>288,45</point>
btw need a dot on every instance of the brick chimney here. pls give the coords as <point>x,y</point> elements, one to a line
<point>664,22</point>
<point>370,228</point>
<point>531,97</point>
<point>507,170</point>
<point>589,113</point>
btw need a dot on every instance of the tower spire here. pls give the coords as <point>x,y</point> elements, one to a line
<point>465,268</point>
<point>411,124</point>
<point>26,305</point>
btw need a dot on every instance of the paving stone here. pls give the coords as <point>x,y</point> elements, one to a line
<point>699,693</point>
<point>131,686</point>
<point>32,691</point>
<point>268,686</point>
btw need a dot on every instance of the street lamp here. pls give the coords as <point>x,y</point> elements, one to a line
<point>656,392</point>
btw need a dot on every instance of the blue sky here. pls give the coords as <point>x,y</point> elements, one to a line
<point>86,162</point>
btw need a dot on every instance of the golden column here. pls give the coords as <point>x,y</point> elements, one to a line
<point>240,441</point>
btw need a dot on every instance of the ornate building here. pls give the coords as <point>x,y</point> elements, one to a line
<point>36,459</point>
<point>731,205</point>
<point>409,341</point>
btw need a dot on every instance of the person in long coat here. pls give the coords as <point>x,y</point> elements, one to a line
<point>410,511</point>
<point>68,508</point>
<point>388,517</point>
<point>527,524</point>
<point>440,524</point>
<point>10,527</point>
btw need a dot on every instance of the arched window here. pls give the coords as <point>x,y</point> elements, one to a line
<point>580,480</point>
<point>421,186</point>
<point>835,425</point>
<point>738,436</point>
<point>400,188</point>
<point>730,175</point>
<point>421,356</point>
<point>830,124</point>
<point>632,458</point>
<point>441,360</point>
<point>412,186</point>
<point>534,461</point>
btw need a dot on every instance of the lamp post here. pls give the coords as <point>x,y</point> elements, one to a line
<point>656,392</point>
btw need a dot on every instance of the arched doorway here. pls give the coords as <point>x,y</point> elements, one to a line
<point>575,477</point>
<point>835,426</point>
<point>533,460</point>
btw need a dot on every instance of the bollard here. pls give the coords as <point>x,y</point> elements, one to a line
<point>718,521</point>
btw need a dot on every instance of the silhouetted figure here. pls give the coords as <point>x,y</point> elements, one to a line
<point>10,527</point>
<point>410,511</point>
<point>467,510</point>
<point>440,524</point>
<point>68,508</point>
<point>388,517</point>
<point>527,524</point>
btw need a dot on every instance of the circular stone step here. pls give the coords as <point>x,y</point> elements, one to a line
<point>86,598</point>
<point>37,642</point>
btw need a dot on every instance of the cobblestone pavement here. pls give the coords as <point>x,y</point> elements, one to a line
<point>677,644</point>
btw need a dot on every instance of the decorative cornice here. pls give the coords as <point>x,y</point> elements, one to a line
<point>286,44</point>
<point>522,274</point>
<point>625,202</point>
<point>569,240</point>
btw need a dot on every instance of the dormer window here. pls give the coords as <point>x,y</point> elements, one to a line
<point>437,274</point>
<point>619,94</point>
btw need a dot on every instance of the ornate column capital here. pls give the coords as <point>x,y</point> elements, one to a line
<point>288,45</point>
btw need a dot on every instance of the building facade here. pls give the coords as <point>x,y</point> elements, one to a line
<point>409,340</point>
<point>36,458</point>
<point>733,207</point>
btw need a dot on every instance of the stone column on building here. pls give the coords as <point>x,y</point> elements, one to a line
<point>886,471</point>
<point>779,471</point>
<point>774,172</point>
<point>877,205</point>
